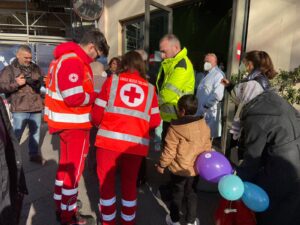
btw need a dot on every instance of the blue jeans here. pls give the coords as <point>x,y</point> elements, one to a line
<point>33,119</point>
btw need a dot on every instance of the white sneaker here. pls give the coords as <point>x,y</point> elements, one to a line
<point>170,222</point>
<point>197,222</point>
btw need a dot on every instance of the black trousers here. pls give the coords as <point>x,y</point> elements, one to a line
<point>184,188</point>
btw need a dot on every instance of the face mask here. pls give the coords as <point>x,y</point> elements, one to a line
<point>207,66</point>
<point>243,69</point>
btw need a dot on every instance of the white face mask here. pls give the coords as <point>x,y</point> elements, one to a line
<point>243,69</point>
<point>207,66</point>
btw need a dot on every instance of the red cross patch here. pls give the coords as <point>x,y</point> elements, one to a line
<point>73,77</point>
<point>132,95</point>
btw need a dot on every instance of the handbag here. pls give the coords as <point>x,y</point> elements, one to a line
<point>233,213</point>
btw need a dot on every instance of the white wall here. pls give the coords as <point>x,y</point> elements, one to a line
<point>274,27</point>
<point>116,11</point>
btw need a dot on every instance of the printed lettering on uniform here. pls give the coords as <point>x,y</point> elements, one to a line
<point>73,77</point>
<point>132,95</point>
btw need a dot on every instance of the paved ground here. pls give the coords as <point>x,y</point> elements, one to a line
<point>38,206</point>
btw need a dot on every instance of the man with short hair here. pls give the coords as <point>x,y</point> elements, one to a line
<point>68,103</point>
<point>175,78</point>
<point>21,82</point>
<point>209,93</point>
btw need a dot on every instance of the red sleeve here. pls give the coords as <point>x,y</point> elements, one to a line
<point>101,103</point>
<point>70,80</point>
<point>155,115</point>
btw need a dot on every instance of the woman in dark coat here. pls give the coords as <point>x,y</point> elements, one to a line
<point>270,141</point>
<point>12,180</point>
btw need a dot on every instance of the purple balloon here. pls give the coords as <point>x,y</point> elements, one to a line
<point>212,165</point>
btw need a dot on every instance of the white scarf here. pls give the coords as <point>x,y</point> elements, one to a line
<point>241,95</point>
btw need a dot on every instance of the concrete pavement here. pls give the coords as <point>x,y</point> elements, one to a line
<point>38,206</point>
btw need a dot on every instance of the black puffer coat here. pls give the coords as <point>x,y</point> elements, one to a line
<point>270,140</point>
<point>12,180</point>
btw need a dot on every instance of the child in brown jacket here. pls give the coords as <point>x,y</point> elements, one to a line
<point>187,137</point>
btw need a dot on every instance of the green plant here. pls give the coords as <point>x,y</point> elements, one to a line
<point>285,83</point>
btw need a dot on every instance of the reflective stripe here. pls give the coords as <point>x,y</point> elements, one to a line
<point>69,192</point>
<point>54,95</point>
<point>150,97</point>
<point>86,100</point>
<point>123,137</point>
<point>112,93</point>
<point>63,206</point>
<point>64,57</point>
<point>57,197</point>
<point>107,202</point>
<point>72,91</point>
<point>100,102</point>
<point>127,217</point>
<point>128,112</point>
<point>128,203</point>
<point>109,217</point>
<point>59,182</point>
<point>67,117</point>
<point>176,90</point>
<point>70,207</point>
<point>154,110</point>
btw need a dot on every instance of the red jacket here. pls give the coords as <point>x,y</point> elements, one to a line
<point>124,112</point>
<point>71,79</point>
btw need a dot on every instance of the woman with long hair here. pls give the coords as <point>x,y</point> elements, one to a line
<point>258,66</point>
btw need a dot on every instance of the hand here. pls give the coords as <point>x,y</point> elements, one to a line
<point>225,82</point>
<point>45,78</point>
<point>20,80</point>
<point>159,169</point>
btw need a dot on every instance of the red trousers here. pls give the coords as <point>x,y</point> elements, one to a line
<point>107,163</point>
<point>74,146</point>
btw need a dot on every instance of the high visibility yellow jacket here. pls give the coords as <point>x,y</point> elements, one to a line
<point>175,79</point>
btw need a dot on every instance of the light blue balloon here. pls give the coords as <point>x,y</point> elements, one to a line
<point>231,187</point>
<point>255,198</point>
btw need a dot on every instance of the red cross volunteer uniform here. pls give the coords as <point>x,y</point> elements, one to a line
<point>124,112</point>
<point>68,102</point>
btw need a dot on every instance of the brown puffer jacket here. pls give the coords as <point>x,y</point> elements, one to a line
<point>187,137</point>
<point>24,98</point>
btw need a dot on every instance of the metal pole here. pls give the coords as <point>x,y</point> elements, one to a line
<point>147,25</point>
<point>236,35</point>
<point>27,20</point>
<point>170,22</point>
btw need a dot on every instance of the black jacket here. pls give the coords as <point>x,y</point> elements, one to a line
<point>12,180</point>
<point>270,140</point>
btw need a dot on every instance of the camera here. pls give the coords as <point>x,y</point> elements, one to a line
<point>34,84</point>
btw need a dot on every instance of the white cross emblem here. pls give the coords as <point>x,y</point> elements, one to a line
<point>73,77</point>
<point>132,95</point>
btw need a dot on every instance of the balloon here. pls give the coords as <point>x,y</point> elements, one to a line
<point>231,187</point>
<point>255,198</point>
<point>212,165</point>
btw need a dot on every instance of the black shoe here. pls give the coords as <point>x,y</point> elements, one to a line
<point>79,207</point>
<point>37,159</point>
<point>81,220</point>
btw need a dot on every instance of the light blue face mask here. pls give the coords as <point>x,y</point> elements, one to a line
<point>243,69</point>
